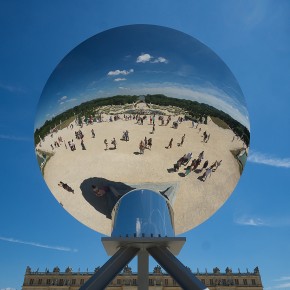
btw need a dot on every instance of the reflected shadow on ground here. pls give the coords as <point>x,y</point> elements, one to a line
<point>105,203</point>
<point>114,190</point>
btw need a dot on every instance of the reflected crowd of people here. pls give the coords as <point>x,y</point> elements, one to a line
<point>186,162</point>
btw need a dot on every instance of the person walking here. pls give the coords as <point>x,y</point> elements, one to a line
<point>106,144</point>
<point>201,155</point>
<point>141,147</point>
<point>150,143</point>
<point>182,140</point>
<point>206,174</point>
<point>83,145</point>
<point>145,142</point>
<point>170,143</point>
<point>114,143</point>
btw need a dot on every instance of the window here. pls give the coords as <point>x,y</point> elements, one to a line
<point>237,281</point>
<point>224,281</point>
<point>31,281</point>
<point>211,281</point>
<point>203,281</point>
<point>166,282</point>
<point>245,281</point>
<point>134,281</point>
<point>48,281</point>
<point>60,282</point>
<point>73,281</point>
<point>127,282</point>
<point>39,281</point>
<point>82,281</point>
<point>253,282</point>
<point>119,281</point>
<point>151,282</point>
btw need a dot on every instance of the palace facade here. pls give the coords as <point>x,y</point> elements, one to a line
<point>128,280</point>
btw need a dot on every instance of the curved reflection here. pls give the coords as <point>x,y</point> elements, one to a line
<point>121,113</point>
<point>143,213</point>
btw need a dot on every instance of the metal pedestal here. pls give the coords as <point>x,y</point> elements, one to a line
<point>123,250</point>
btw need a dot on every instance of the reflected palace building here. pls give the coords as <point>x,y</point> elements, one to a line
<point>158,279</point>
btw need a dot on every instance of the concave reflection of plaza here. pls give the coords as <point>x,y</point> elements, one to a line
<point>148,146</point>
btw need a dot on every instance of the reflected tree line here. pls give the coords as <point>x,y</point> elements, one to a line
<point>197,112</point>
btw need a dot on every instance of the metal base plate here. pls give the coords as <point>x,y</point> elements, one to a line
<point>173,244</point>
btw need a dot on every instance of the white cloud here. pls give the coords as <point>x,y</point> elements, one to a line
<point>120,79</point>
<point>250,221</point>
<point>65,100</point>
<point>62,99</point>
<point>284,278</point>
<point>11,88</point>
<point>255,14</point>
<point>282,286</point>
<point>71,100</point>
<point>120,72</point>
<point>284,283</point>
<point>145,57</point>
<point>58,248</point>
<point>261,158</point>
<point>276,222</point>
<point>160,59</point>
<point>14,138</point>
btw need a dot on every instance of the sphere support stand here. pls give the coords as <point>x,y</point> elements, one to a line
<point>163,250</point>
<point>143,225</point>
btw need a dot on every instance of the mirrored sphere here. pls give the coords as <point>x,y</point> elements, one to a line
<point>141,107</point>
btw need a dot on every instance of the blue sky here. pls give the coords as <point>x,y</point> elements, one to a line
<point>251,37</point>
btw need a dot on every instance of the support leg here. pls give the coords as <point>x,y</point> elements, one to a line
<point>143,268</point>
<point>110,269</point>
<point>176,269</point>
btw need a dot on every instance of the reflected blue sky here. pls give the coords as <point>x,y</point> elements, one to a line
<point>141,59</point>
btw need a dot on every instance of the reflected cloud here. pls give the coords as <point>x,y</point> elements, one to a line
<point>62,98</point>
<point>146,57</point>
<point>120,79</point>
<point>120,72</point>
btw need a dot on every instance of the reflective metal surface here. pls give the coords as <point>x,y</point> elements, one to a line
<point>141,107</point>
<point>142,213</point>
